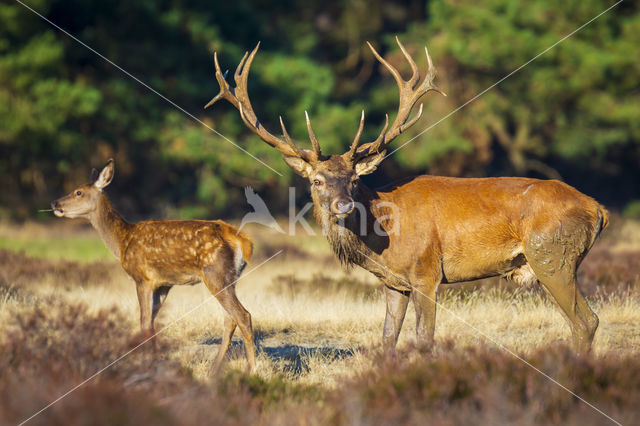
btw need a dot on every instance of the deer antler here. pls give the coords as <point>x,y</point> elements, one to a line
<point>410,93</point>
<point>239,97</point>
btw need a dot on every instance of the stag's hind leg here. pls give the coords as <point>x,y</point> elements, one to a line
<point>426,277</point>
<point>424,300</point>
<point>220,283</point>
<point>554,258</point>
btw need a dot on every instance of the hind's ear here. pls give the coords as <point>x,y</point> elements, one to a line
<point>94,175</point>
<point>106,175</point>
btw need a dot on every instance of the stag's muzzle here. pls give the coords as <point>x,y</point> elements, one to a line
<point>342,208</point>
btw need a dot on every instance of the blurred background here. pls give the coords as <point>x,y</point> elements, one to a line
<point>572,114</point>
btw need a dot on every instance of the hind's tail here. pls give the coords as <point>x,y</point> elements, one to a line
<point>243,251</point>
<point>246,245</point>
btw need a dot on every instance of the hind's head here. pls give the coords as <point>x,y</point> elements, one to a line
<point>84,200</point>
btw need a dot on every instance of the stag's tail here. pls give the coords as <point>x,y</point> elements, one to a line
<point>602,221</point>
<point>604,214</point>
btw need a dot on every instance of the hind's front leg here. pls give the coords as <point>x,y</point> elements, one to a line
<point>145,301</point>
<point>145,295</point>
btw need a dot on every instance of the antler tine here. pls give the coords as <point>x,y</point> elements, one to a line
<point>381,137</point>
<point>236,75</point>
<point>242,72</point>
<point>375,145</point>
<point>394,72</point>
<point>410,92</point>
<point>415,73</point>
<point>356,140</point>
<point>239,97</point>
<point>225,90</point>
<point>431,73</point>
<point>312,136</point>
<point>372,147</point>
<point>412,121</point>
<point>288,139</point>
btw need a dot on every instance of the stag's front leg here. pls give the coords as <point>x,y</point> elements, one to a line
<point>397,301</point>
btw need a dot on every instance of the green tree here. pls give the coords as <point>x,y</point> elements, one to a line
<point>576,104</point>
<point>574,111</point>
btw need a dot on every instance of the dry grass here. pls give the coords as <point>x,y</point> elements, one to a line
<point>318,330</point>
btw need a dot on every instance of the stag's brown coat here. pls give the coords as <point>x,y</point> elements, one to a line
<point>424,231</point>
<point>158,254</point>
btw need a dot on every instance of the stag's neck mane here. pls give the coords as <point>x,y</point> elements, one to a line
<point>352,239</point>
<point>113,229</point>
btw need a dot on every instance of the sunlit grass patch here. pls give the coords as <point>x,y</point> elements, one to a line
<point>318,333</point>
<point>79,249</point>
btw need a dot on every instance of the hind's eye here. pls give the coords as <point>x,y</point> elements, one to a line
<point>317,182</point>
<point>78,193</point>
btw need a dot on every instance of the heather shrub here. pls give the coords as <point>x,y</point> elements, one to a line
<point>484,385</point>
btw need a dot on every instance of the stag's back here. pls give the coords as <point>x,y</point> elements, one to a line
<point>479,226</point>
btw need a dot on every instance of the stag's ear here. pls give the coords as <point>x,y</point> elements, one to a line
<point>298,165</point>
<point>369,164</point>
<point>106,175</point>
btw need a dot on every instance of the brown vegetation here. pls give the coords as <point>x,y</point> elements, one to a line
<point>319,359</point>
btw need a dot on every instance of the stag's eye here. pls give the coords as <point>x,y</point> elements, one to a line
<point>78,193</point>
<point>317,182</point>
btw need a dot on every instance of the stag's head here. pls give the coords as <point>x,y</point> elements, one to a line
<point>85,199</point>
<point>334,179</point>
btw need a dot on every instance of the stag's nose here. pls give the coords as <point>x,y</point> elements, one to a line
<point>342,206</point>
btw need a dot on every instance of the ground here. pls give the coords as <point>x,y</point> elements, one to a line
<point>68,311</point>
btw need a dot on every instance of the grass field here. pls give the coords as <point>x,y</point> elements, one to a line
<point>68,310</point>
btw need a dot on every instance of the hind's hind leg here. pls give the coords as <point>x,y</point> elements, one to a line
<point>554,262</point>
<point>227,334</point>
<point>220,282</point>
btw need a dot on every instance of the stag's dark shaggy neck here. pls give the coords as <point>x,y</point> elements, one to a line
<point>113,229</point>
<point>350,238</point>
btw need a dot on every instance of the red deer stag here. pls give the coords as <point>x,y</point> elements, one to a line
<point>158,254</point>
<point>428,230</point>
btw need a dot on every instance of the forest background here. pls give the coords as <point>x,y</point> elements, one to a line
<point>573,113</point>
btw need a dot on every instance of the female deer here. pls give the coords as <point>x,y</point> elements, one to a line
<point>161,253</point>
